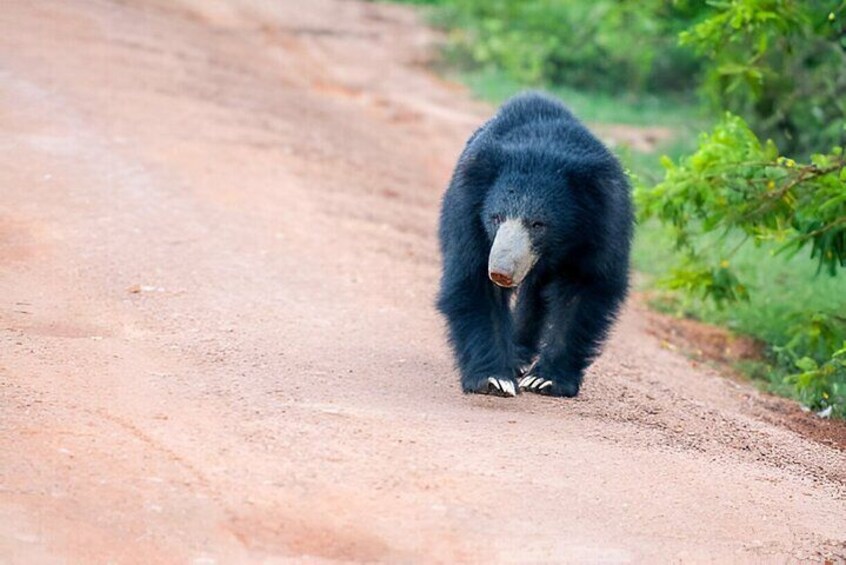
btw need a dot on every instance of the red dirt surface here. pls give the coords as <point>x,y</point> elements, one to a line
<point>217,339</point>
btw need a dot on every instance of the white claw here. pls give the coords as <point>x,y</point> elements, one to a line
<point>504,386</point>
<point>544,385</point>
<point>527,381</point>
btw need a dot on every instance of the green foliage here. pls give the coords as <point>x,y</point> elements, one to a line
<point>734,182</point>
<point>587,45</point>
<point>781,64</point>
<point>735,189</point>
<point>596,107</point>
<point>821,386</point>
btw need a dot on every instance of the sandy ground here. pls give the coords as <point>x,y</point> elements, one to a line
<point>217,339</point>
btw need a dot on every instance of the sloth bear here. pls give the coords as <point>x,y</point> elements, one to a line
<point>535,230</point>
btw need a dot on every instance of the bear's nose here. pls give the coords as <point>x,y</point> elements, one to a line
<point>501,279</point>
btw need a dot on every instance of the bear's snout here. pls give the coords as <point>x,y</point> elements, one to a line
<point>511,256</point>
<point>501,279</point>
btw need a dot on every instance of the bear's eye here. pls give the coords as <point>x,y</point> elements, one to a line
<point>497,219</point>
<point>537,224</point>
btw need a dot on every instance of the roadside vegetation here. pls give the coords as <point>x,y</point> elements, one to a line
<point>743,211</point>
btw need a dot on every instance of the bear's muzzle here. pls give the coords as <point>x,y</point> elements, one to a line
<point>512,256</point>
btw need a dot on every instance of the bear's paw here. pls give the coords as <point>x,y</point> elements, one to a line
<point>496,386</point>
<point>548,387</point>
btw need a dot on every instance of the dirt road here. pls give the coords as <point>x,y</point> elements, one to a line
<point>217,339</point>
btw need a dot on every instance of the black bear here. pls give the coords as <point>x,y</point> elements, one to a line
<point>535,231</point>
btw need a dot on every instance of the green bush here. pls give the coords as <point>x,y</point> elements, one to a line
<point>735,188</point>
<point>782,65</point>
<point>579,44</point>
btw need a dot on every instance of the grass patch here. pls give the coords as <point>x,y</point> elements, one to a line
<point>597,107</point>
<point>782,291</point>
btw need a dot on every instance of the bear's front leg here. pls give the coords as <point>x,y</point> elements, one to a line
<point>480,331</point>
<point>528,321</point>
<point>579,322</point>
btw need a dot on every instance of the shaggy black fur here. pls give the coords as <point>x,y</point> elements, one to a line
<point>534,161</point>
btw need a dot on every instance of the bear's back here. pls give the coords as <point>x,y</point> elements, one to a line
<point>533,124</point>
<point>529,108</point>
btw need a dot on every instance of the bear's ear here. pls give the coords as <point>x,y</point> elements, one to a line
<point>481,160</point>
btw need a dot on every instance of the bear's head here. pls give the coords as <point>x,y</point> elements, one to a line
<point>536,214</point>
